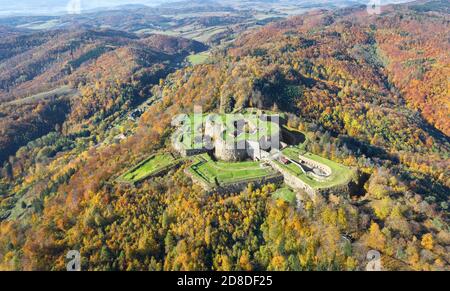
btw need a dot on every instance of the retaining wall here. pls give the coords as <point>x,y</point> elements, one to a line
<point>229,153</point>
<point>313,164</point>
<point>235,187</point>
<point>241,186</point>
<point>293,181</point>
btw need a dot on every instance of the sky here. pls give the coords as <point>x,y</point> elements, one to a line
<point>10,7</point>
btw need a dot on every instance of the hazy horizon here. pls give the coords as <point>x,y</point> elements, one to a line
<point>38,7</point>
<point>57,7</point>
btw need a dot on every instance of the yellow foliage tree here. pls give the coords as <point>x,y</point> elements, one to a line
<point>376,238</point>
<point>244,262</point>
<point>427,241</point>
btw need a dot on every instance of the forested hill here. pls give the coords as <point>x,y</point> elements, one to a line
<point>33,62</point>
<point>398,56</point>
<point>45,76</point>
<point>369,92</point>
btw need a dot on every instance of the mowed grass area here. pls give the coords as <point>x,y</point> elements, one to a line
<point>285,194</point>
<point>199,58</point>
<point>149,167</point>
<point>340,173</point>
<point>224,173</point>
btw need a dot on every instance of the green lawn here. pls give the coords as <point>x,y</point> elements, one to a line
<point>226,173</point>
<point>149,167</point>
<point>199,58</point>
<point>285,194</point>
<point>340,174</point>
<point>293,152</point>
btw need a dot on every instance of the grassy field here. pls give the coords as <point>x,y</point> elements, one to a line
<point>40,25</point>
<point>148,168</point>
<point>199,58</point>
<point>285,194</point>
<point>340,174</point>
<point>194,32</point>
<point>223,173</point>
<point>64,91</point>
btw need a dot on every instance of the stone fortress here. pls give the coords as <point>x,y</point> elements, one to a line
<point>257,136</point>
<point>232,138</point>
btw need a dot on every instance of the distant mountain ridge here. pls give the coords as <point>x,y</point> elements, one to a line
<point>56,7</point>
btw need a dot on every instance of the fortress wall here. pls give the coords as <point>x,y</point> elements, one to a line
<point>162,172</point>
<point>270,142</point>
<point>317,177</point>
<point>235,187</point>
<point>293,181</point>
<point>254,150</point>
<point>298,184</point>
<point>179,148</point>
<point>195,152</point>
<point>228,153</point>
<point>189,152</point>
<point>241,186</point>
<point>197,181</point>
<point>313,164</point>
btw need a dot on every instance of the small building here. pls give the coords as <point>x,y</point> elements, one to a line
<point>284,160</point>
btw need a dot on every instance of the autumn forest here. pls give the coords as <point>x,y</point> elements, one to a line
<point>81,106</point>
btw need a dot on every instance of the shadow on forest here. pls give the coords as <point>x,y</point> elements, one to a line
<point>433,131</point>
<point>368,150</point>
<point>357,188</point>
<point>424,185</point>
